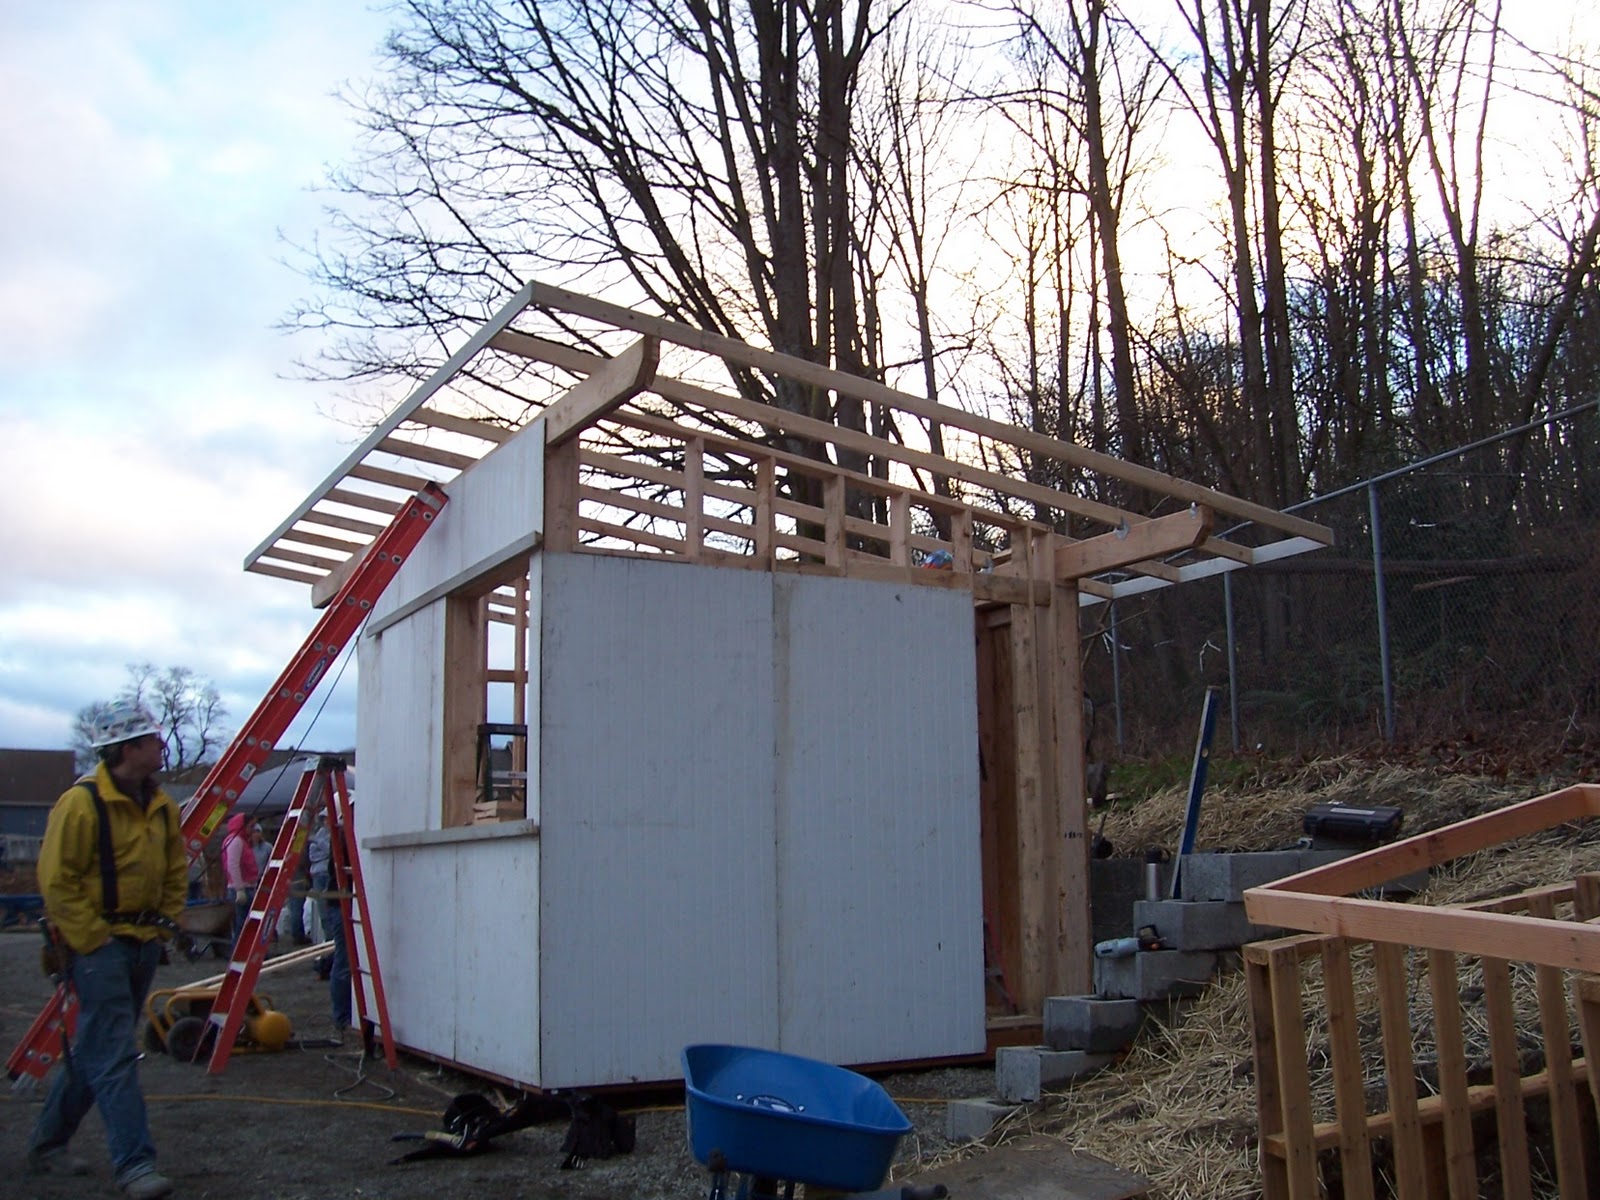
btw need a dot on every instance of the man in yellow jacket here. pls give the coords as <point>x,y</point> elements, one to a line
<point>114,873</point>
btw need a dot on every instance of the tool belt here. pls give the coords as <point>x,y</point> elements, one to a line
<point>145,916</point>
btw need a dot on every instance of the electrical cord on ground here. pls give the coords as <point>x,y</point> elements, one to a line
<point>213,1097</point>
<point>362,1079</point>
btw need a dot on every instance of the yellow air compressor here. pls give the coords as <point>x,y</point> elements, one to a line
<point>179,1024</point>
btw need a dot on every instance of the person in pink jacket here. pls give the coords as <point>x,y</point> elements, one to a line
<point>239,869</point>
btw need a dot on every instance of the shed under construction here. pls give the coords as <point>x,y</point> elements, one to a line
<point>701,718</point>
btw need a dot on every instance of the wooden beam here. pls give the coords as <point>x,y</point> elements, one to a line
<point>1432,849</point>
<point>261,567</point>
<point>338,521</point>
<point>734,351</point>
<point>422,452</point>
<point>325,589</point>
<point>405,481</point>
<point>362,500</point>
<point>465,704</point>
<point>344,545</point>
<point>1074,975</point>
<point>612,385</point>
<point>466,426</point>
<point>1134,543</point>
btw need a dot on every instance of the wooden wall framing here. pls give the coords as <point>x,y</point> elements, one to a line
<point>1531,959</point>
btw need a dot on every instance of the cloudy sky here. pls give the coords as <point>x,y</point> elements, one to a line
<point>152,150</point>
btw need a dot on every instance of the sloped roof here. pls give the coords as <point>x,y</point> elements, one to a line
<point>629,387</point>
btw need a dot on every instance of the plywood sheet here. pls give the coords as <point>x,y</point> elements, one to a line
<point>496,972</point>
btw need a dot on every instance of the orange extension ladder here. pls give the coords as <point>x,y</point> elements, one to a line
<point>323,788</point>
<point>39,1048</point>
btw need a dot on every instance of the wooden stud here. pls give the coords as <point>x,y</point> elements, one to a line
<point>1554,1015</point>
<point>1349,1087</point>
<point>900,529</point>
<point>422,452</point>
<point>961,542</point>
<point>833,521</point>
<point>1269,1088</point>
<point>519,664</point>
<point>1505,1058</point>
<point>465,704</point>
<point>694,452</point>
<point>1460,1166</point>
<point>1395,1013</point>
<point>1588,996</point>
<point>1294,1084</point>
<point>1586,900</point>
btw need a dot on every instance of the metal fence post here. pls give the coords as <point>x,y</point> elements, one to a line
<point>1383,612</point>
<point>1233,659</point>
<point>1116,673</point>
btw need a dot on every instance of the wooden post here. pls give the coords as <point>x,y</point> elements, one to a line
<point>900,529</point>
<point>1035,888</point>
<point>833,520</point>
<point>465,704</point>
<point>1460,1166</point>
<point>961,542</point>
<point>1506,1059</point>
<point>1410,1165</point>
<point>1269,1089</point>
<point>1349,1085</point>
<point>561,497</point>
<point>1074,973</point>
<point>1294,1084</point>
<point>1553,1018</point>
<point>519,667</point>
<point>765,510</point>
<point>694,526</point>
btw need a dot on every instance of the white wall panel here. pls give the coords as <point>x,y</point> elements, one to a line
<point>419,927</point>
<point>496,972</point>
<point>658,923</point>
<point>494,505</point>
<point>400,706</point>
<point>880,888</point>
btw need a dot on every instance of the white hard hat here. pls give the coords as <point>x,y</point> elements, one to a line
<point>122,721</point>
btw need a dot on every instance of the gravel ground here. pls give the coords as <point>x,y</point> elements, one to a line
<point>311,1124</point>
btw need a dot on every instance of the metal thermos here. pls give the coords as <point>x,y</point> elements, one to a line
<point>1152,875</point>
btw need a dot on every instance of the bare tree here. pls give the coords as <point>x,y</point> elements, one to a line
<point>187,705</point>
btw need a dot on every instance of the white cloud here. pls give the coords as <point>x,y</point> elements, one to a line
<point>152,149</point>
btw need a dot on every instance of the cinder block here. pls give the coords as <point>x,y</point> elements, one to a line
<point>1114,884</point>
<point>1226,876</point>
<point>967,1120</point>
<point>1155,974</point>
<point>1022,1073</point>
<point>1095,1024</point>
<point>1199,924</point>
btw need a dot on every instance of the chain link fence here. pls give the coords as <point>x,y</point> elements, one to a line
<point>1460,599</point>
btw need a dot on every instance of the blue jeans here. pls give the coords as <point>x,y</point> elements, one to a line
<point>100,1067</point>
<point>339,973</point>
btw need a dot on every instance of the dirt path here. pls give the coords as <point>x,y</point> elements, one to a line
<point>272,1126</point>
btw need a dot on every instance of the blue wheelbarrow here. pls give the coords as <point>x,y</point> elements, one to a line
<point>763,1122</point>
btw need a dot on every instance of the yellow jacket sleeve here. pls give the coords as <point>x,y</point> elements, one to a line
<point>69,872</point>
<point>175,890</point>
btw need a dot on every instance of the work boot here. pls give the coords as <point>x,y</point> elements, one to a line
<point>148,1185</point>
<point>55,1162</point>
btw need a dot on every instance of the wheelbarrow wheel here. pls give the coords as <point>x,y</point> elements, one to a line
<point>190,1038</point>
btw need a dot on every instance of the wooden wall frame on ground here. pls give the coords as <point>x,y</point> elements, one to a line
<point>662,443</point>
<point>1458,990</point>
